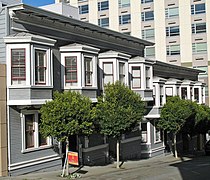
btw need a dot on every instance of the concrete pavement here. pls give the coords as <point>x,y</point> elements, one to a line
<point>162,167</point>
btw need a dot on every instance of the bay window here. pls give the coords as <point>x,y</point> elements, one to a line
<point>18,66</point>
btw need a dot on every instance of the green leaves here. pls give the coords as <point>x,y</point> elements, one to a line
<point>119,110</point>
<point>67,114</point>
<point>184,115</point>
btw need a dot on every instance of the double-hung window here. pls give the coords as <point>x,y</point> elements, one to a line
<point>199,47</point>
<point>123,3</point>
<point>172,31</point>
<point>88,71</point>
<point>148,77</point>
<point>196,94</point>
<point>71,69</point>
<point>198,8</point>
<point>40,67</point>
<point>18,65</point>
<point>184,92</point>
<point>32,138</point>
<point>125,19</point>
<point>147,16</point>
<point>171,12</point>
<point>173,50</point>
<point>103,22</point>
<point>136,77</point>
<point>148,34</point>
<point>198,28</point>
<point>84,9</point>
<point>122,72</point>
<point>108,72</point>
<point>104,5</point>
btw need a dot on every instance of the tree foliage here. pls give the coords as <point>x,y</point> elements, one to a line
<point>119,110</point>
<point>174,114</point>
<point>69,113</point>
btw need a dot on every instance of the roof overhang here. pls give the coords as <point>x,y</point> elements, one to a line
<point>71,30</point>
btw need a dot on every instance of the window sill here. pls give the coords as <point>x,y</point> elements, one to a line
<point>157,142</point>
<point>36,149</point>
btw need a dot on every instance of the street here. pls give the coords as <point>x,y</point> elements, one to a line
<point>165,168</point>
<point>157,168</point>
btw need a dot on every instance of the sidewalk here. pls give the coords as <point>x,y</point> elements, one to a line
<point>87,171</point>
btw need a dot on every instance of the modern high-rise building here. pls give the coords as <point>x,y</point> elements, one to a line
<point>180,29</point>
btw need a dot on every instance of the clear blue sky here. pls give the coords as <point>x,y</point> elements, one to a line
<point>38,2</point>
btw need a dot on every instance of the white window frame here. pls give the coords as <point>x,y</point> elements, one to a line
<point>90,59</point>
<point>144,18</point>
<point>155,133</point>
<point>196,30</point>
<point>36,132</point>
<point>197,50</point>
<point>122,73</point>
<point>101,22</point>
<point>170,51</point>
<point>168,13</point>
<point>123,3</point>
<point>149,49</point>
<point>125,19</point>
<point>148,33</point>
<point>30,50</point>
<point>100,6</point>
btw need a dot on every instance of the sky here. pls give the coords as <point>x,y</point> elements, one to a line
<point>38,2</point>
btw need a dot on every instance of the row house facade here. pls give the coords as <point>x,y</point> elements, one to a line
<point>42,51</point>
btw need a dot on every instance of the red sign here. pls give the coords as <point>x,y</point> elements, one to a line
<point>73,158</point>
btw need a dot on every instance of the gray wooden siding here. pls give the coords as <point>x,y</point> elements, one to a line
<point>16,156</point>
<point>44,167</point>
<point>96,156</point>
<point>28,93</point>
<point>130,150</point>
<point>2,34</point>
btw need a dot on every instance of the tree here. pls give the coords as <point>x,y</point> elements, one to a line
<point>69,113</point>
<point>118,111</point>
<point>173,116</point>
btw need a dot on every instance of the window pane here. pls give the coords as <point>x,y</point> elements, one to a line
<point>40,67</point>
<point>149,51</point>
<point>148,34</point>
<point>172,12</point>
<point>124,3</point>
<point>29,131</point>
<point>71,68</point>
<point>108,68</point>
<point>88,71</point>
<point>18,64</point>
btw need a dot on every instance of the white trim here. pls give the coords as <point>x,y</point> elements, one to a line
<point>157,149</point>
<point>37,161</point>
<point>28,102</point>
<point>95,148</point>
<point>130,139</point>
<point>148,132</point>
<point>36,132</point>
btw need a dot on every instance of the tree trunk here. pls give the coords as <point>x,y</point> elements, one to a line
<point>175,147</point>
<point>67,162</point>
<point>118,153</point>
